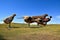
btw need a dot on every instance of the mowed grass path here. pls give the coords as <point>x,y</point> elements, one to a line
<point>23,32</point>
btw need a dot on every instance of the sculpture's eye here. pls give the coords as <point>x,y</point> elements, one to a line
<point>50,16</point>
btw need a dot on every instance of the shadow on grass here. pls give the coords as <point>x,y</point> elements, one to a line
<point>34,27</point>
<point>26,27</point>
<point>15,27</point>
<point>2,38</point>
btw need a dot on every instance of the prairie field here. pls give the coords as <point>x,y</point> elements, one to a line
<point>23,32</point>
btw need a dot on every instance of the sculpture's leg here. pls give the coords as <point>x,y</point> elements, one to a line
<point>29,24</point>
<point>45,23</point>
<point>9,25</point>
<point>37,24</point>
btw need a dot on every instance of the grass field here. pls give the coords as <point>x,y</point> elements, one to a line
<point>23,32</point>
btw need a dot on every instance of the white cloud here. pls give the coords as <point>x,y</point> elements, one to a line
<point>1,22</point>
<point>58,16</point>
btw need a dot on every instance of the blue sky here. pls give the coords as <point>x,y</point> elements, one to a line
<point>30,8</point>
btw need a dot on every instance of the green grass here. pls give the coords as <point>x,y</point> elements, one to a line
<point>23,32</point>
